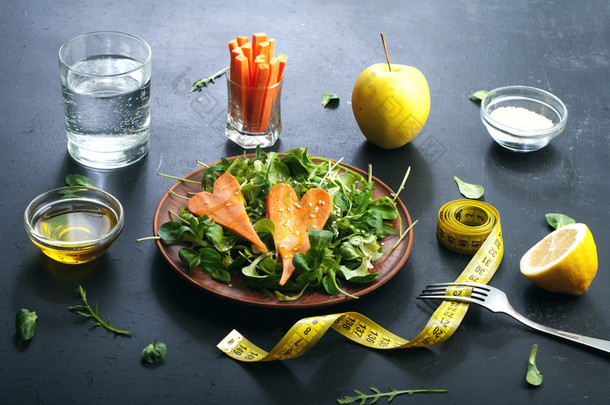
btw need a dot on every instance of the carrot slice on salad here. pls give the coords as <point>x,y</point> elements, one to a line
<point>227,207</point>
<point>292,219</point>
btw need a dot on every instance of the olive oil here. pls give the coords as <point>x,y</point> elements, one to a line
<point>73,227</point>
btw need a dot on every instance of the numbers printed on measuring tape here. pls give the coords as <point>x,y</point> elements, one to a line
<point>479,233</point>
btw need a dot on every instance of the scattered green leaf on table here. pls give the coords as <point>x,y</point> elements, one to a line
<point>201,83</point>
<point>154,353</point>
<point>86,311</point>
<point>558,220</point>
<point>362,397</point>
<point>25,323</point>
<point>533,376</point>
<point>329,99</point>
<point>477,96</point>
<point>473,191</point>
<point>78,180</point>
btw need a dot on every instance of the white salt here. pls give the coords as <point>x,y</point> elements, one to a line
<point>520,118</point>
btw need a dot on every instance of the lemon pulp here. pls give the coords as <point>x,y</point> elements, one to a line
<point>565,261</point>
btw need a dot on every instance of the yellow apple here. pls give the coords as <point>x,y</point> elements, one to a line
<point>391,107</point>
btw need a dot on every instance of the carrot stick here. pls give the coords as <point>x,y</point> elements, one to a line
<point>282,58</point>
<point>243,92</point>
<point>262,48</point>
<point>270,95</point>
<point>233,44</point>
<point>243,69</point>
<point>260,59</point>
<point>237,104</point>
<point>247,50</point>
<point>242,40</point>
<point>256,39</point>
<point>271,47</point>
<point>262,75</point>
<point>234,53</point>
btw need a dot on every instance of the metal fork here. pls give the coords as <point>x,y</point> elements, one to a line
<point>496,301</point>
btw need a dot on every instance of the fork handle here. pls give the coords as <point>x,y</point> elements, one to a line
<point>600,344</point>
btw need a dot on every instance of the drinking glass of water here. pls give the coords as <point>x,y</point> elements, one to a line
<point>105,81</point>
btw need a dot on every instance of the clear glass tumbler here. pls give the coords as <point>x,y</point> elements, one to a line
<point>105,80</point>
<point>253,116</point>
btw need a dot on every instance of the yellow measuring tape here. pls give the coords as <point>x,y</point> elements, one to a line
<point>465,226</point>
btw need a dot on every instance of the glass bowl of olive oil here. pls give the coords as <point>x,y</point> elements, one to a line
<point>74,224</point>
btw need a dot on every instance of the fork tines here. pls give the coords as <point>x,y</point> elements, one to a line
<point>439,290</point>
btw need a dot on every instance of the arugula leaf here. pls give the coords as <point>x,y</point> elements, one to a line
<point>478,96</point>
<point>25,324</point>
<point>210,260</point>
<point>360,274</point>
<point>171,231</point>
<point>264,226</point>
<point>362,397</point>
<point>558,220</point>
<point>288,298</point>
<point>251,269</point>
<point>75,181</point>
<point>222,276</point>
<point>154,353</point>
<point>300,262</point>
<point>94,318</point>
<point>190,257</point>
<point>468,190</point>
<point>329,99</point>
<point>319,238</point>
<point>201,83</point>
<point>78,180</point>
<point>213,232</point>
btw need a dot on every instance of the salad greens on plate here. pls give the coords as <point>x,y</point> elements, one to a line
<point>343,251</point>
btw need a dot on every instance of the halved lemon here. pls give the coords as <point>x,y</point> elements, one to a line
<point>564,261</point>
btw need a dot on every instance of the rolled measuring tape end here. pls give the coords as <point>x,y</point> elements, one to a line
<point>463,225</point>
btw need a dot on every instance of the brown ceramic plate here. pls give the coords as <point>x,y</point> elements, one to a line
<point>387,266</point>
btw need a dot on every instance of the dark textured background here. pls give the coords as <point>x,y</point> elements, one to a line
<point>460,46</point>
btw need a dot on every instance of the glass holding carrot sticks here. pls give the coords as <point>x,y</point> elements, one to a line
<point>254,86</point>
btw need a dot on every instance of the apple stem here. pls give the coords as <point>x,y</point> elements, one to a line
<point>385,48</point>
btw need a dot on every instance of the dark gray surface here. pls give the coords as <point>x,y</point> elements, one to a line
<point>463,46</point>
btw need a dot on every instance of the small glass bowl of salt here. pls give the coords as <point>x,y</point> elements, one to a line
<point>523,118</point>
